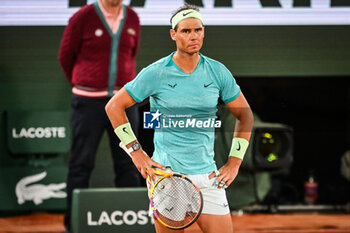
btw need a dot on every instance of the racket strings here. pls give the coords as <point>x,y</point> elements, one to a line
<point>176,201</point>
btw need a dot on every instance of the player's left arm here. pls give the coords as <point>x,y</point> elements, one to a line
<point>240,109</point>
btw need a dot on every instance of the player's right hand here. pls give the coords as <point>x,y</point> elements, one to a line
<point>144,163</point>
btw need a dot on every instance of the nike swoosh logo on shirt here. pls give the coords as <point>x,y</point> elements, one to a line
<point>208,85</point>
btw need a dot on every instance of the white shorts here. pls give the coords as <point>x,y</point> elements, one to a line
<point>214,199</point>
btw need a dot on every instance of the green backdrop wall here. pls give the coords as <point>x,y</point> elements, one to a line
<point>31,79</point>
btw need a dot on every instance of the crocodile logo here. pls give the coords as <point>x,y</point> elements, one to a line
<point>26,191</point>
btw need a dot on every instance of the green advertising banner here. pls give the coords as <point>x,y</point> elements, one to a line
<point>111,210</point>
<point>38,132</point>
<point>25,188</point>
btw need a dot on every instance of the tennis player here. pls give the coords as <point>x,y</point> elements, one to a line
<point>188,79</point>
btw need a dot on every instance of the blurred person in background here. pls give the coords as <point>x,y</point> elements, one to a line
<point>97,55</point>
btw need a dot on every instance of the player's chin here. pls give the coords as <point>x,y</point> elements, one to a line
<point>194,46</point>
<point>193,50</point>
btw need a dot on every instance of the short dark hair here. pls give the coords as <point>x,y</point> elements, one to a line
<point>184,7</point>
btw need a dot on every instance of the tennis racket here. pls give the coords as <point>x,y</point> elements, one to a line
<point>175,200</point>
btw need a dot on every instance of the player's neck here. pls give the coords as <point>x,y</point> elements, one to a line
<point>186,62</point>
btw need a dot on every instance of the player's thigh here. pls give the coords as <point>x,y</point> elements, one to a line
<point>215,223</point>
<point>160,228</point>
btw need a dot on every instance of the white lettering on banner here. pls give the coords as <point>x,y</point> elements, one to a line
<point>156,12</point>
<point>118,218</point>
<point>40,132</point>
<point>127,219</point>
<point>104,218</point>
<point>142,216</point>
<point>89,219</point>
<point>114,215</point>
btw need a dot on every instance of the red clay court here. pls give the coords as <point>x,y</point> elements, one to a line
<point>250,223</point>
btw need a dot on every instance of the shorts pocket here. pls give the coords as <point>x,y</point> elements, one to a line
<point>201,181</point>
<point>212,181</point>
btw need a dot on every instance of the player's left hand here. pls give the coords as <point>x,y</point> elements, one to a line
<point>227,173</point>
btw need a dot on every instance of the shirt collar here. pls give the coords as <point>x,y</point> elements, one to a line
<point>169,60</point>
<point>106,14</point>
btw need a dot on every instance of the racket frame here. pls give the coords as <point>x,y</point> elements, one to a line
<point>151,190</point>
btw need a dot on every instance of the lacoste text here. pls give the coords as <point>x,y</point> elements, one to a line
<point>117,217</point>
<point>40,132</point>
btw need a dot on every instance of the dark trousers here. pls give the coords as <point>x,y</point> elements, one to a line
<point>89,121</point>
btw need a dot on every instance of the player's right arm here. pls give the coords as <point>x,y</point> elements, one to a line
<point>115,110</point>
